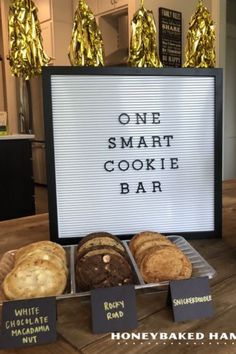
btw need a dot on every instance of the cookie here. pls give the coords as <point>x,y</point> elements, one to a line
<point>42,245</point>
<point>142,254</point>
<point>98,250</point>
<point>187,269</point>
<point>32,279</point>
<point>143,247</point>
<point>38,254</point>
<point>102,269</point>
<point>142,237</point>
<point>6,265</point>
<point>99,239</point>
<point>158,259</point>
<point>161,264</point>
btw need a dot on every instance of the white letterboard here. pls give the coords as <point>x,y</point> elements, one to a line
<point>133,153</point>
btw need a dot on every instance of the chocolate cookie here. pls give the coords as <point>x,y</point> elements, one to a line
<point>102,269</point>
<point>99,239</point>
<point>99,249</point>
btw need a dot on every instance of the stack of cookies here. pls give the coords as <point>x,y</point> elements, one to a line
<point>158,258</point>
<point>101,261</point>
<point>40,269</point>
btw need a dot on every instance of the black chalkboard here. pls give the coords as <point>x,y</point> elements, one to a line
<point>114,309</point>
<point>170,37</point>
<point>191,299</point>
<point>28,322</point>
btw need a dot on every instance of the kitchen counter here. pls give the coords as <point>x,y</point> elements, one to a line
<point>74,319</point>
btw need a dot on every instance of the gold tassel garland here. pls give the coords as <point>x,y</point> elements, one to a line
<point>143,44</point>
<point>86,46</point>
<point>200,50</point>
<point>26,45</point>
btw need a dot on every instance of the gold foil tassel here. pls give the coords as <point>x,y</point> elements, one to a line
<point>26,44</point>
<point>143,44</point>
<point>86,46</point>
<point>200,50</point>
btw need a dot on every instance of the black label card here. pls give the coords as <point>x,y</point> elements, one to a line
<point>114,309</point>
<point>28,322</point>
<point>191,299</point>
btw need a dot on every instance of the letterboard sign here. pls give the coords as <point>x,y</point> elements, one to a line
<point>133,149</point>
<point>170,37</point>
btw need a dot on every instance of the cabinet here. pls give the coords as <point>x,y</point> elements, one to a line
<point>39,163</point>
<point>48,38</point>
<point>56,19</point>
<point>16,181</point>
<point>116,30</point>
<point>115,34</point>
<point>110,5</point>
<point>100,6</point>
<point>44,10</point>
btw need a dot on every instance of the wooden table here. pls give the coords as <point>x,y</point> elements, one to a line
<point>74,328</point>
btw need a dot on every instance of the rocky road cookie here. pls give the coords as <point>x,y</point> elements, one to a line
<point>102,261</point>
<point>100,249</point>
<point>102,270</point>
<point>99,239</point>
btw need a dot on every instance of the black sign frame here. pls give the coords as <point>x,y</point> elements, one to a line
<point>217,74</point>
<point>166,36</point>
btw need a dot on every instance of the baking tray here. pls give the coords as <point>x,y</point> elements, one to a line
<point>201,268</point>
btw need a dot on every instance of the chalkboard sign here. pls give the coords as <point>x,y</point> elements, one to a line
<point>133,149</point>
<point>191,299</point>
<point>114,309</point>
<point>28,323</point>
<point>170,37</point>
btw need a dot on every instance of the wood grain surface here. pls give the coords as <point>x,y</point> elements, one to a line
<point>74,318</point>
